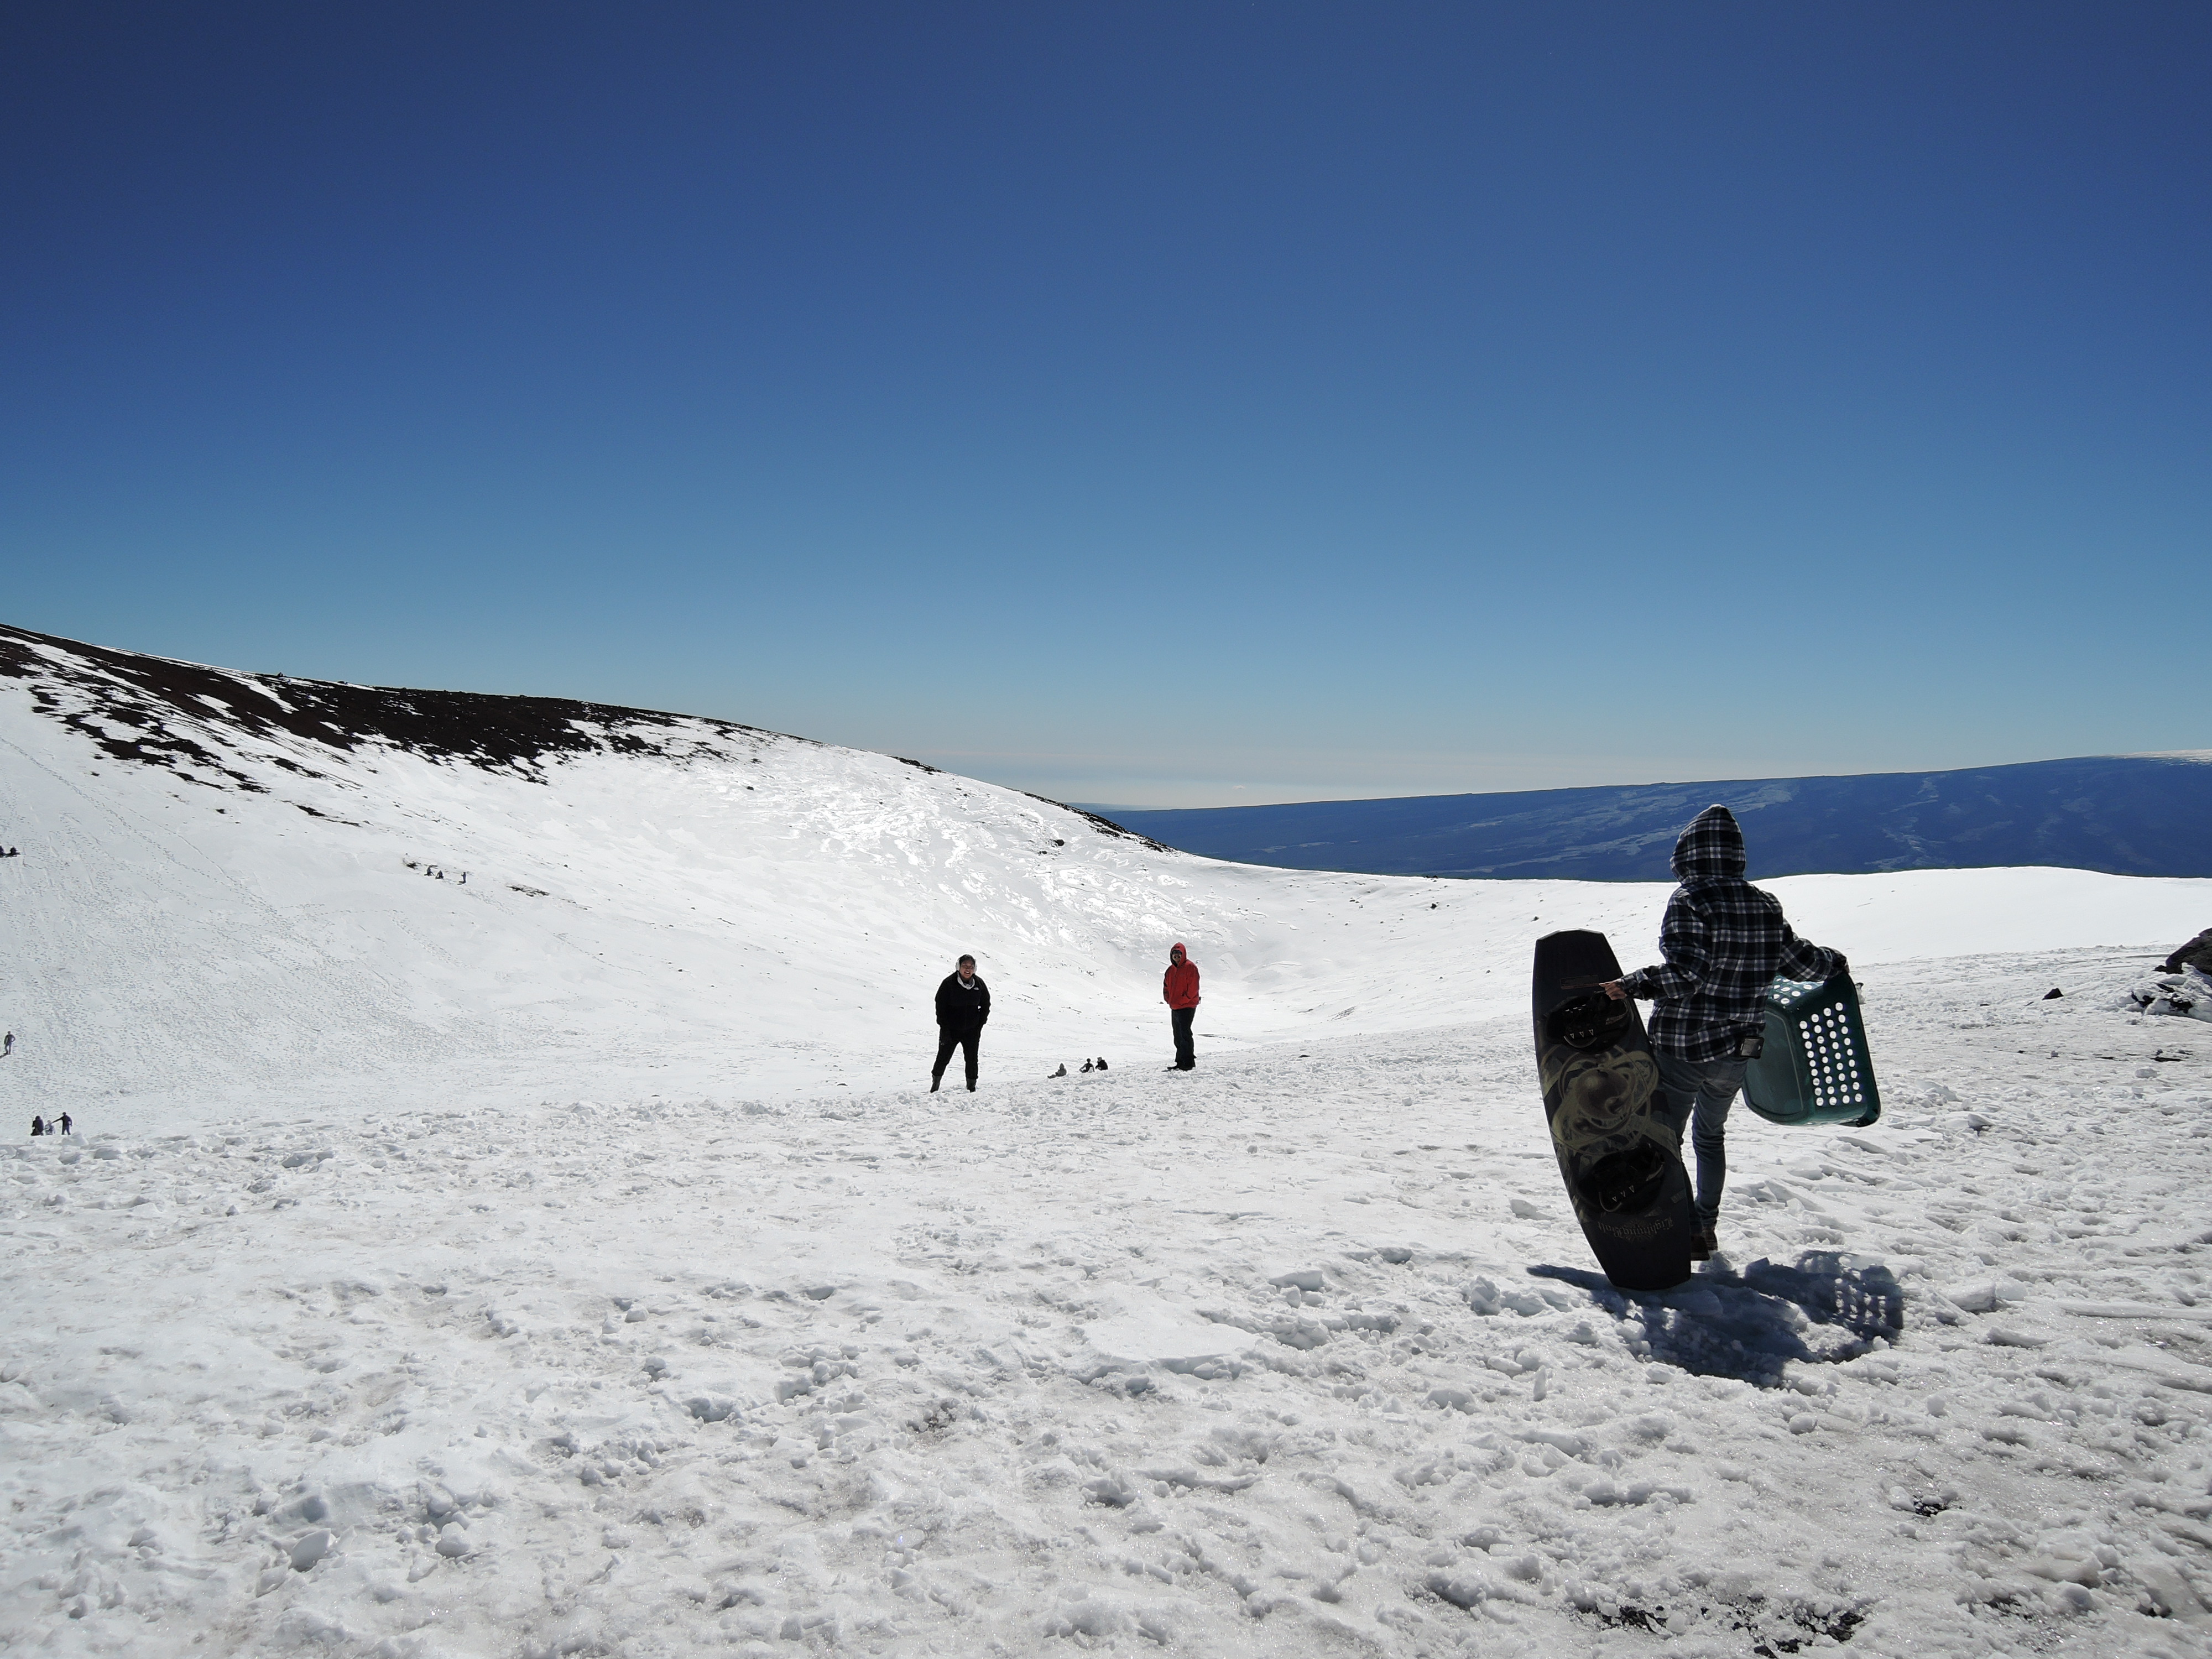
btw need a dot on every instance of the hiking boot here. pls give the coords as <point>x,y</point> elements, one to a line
<point>1703,1243</point>
<point>935,1084</point>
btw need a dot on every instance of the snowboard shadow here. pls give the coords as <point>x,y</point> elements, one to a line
<point>1821,1310</point>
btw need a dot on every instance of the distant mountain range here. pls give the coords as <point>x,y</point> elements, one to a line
<point>2133,815</point>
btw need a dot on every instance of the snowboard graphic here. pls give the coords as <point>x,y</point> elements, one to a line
<point>1622,1166</point>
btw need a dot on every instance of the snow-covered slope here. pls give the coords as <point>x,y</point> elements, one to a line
<point>568,1262</point>
<point>235,887</point>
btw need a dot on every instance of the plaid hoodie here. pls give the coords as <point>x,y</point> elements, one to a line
<point>1724,942</point>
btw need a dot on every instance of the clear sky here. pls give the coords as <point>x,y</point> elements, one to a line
<point>1164,405</point>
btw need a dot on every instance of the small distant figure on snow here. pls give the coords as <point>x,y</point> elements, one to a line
<point>1086,1065</point>
<point>38,1126</point>
<point>1102,1062</point>
<point>1062,1072</point>
<point>7,1045</point>
<point>65,1123</point>
<point>1179,990</point>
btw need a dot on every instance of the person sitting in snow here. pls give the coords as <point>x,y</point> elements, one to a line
<point>38,1126</point>
<point>1725,941</point>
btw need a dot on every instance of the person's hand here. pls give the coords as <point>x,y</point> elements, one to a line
<point>1613,988</point>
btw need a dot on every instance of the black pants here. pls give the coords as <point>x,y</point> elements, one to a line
<point>950,1037</point>
<point>1186,1056</point>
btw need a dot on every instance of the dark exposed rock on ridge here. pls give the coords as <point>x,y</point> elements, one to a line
<point>217,726</point>
<point>188,717</point>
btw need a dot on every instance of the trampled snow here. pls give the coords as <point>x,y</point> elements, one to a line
<point>572,1260</point>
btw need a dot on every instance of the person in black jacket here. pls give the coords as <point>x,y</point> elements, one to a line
<point>964,1005</point>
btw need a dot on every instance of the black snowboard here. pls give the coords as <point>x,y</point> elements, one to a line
<point>1623,1168</point>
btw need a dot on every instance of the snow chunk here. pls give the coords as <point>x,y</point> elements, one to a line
<point>1164,1339</point>
<point>311,1549</point>
<point>1985,1295</point>
<point>1462,1589</point>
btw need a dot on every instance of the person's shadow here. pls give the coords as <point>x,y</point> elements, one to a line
<point>1824,1310</point>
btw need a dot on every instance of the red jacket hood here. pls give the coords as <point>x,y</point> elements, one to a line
<point>1179,985</point>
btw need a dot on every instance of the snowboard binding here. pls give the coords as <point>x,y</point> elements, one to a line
<point>1625,1183</point>
<point>1595,1021</point>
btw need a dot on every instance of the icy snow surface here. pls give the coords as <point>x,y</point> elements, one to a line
<point>568,1262</point>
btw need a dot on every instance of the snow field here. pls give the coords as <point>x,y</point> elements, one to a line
<point>739,910</point>
<point>568,1260</point>
<point>731,912</point>
<point>1298,1354</point>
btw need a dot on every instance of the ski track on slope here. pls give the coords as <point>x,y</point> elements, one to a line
<point>1299,1354</point>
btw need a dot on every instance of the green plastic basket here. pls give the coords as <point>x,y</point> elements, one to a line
<point>1815,1068</point>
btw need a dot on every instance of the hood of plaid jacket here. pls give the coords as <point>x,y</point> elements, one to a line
<point>1711,849</point>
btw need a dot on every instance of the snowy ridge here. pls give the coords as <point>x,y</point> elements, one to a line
<point>570,1262</point>
<point>235,882</point>
<point>232,877</point>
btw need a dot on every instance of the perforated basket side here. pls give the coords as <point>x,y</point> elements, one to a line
<point>1817,1069</point>
<point>1788,995</point>
<point>1838,1072</point>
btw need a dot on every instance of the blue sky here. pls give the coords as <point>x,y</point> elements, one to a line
<point>1163,405</point>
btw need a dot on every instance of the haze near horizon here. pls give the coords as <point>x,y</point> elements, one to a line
<point>1163,406</point>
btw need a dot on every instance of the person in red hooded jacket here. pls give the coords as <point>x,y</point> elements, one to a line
<point>1179,990</point>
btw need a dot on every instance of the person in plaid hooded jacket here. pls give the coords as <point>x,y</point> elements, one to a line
<point>1725,941</point>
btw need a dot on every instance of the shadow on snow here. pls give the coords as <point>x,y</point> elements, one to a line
<point>1825,1309</point>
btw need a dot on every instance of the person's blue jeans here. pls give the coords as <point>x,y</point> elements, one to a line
<point>1698,1093</point>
